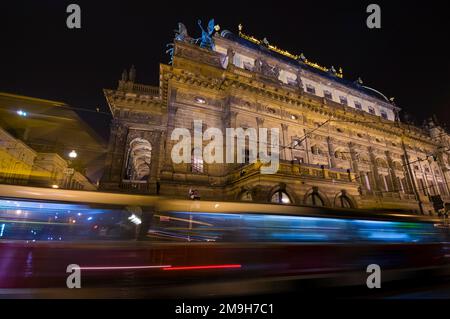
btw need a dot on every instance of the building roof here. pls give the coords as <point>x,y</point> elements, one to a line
<point>296,63</point>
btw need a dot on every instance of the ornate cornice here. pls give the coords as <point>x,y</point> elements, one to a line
<point>226,82</point>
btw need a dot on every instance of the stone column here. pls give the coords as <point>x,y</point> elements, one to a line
<point>427,187</point>
<point>443,170</point>
<point>284,133</point>
<point>299,81</point>
<point>330,142</point>
<point>308,160</point>
<point>231,122</point>
<point>171,114</point>
<point>259,124</point>
<point>375,174</point>
<point>230,56</point>
<point>410,177</point>
<point>354,159</point>
<point>161,154</point>
<point>392,174</point>
<point>232,116</point>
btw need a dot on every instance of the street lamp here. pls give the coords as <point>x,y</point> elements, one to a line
<point>73,154</point>
<point>21,113</point>
<point>70,171</point>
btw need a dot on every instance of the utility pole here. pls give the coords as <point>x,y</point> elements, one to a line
<point>411,177</point>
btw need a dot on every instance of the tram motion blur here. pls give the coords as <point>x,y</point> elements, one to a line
<point>42,231</point>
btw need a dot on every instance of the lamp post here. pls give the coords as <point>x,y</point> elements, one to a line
<point>70,171</point>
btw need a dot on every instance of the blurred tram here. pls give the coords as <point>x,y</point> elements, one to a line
<point>136,240</point>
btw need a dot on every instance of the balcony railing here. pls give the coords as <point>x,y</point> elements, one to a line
<point>300,170</point>
<point>388,195</point>
<point>135,186</point>
<point>132,87</point>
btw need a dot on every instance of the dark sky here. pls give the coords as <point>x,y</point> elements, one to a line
<point>408,58</point>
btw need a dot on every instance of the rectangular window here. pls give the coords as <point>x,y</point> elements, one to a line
<point>400,183</point>
<point>371,110</point>
<point>310,89</point>
<point>237,61</point>
<point>327,95</point>
<point>247,156</point>
<point>291,81</point>
<point>442,189</point>
<point>422,187</point>
<point>343,100</point>
<point>406,186</point>
<point>366,178</point>
<point>384,179</point>
<point>384,115</point>
<point>358,105</point>
<point>432,189</point>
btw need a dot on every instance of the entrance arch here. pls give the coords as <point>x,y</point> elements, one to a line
<point>139,159</point>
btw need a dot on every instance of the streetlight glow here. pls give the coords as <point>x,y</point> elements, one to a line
<point>22,113</point>
<point>73,154</point>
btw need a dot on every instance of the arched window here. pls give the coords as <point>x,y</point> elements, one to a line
<point>316,150</point>
<point>343,201</point>
<point>197,161</point>
<point>280,197</point>
<point>314,199</point>
<point>381,163</point>
<point>340,155</point>
<point>139,159</point>
<point>246,196</point>
<point>386,182</point>
<point>398,166</point>
<point>364,158</point>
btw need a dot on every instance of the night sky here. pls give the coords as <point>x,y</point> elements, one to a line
<point>408,58</point>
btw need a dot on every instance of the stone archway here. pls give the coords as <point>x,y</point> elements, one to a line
<point>245,194</point>
<point>139,159</point>
<point>343,200</point>
<point>280,197</point>
<point>316,198</point>
<point>282,194</point>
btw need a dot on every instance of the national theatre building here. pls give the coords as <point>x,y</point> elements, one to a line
<point>341,142</point>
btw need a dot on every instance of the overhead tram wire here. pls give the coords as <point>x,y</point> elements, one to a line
<point>299,140</point>
<point>74,108</point>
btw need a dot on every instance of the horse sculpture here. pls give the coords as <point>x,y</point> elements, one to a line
<point>206,40</point>
<point>180,35</point>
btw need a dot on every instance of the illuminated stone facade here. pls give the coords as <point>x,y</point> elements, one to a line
<point>21,165</point>
<point>341,142</point>
<point>36,136</point>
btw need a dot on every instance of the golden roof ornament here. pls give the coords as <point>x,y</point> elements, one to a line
<point>286,53</point>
